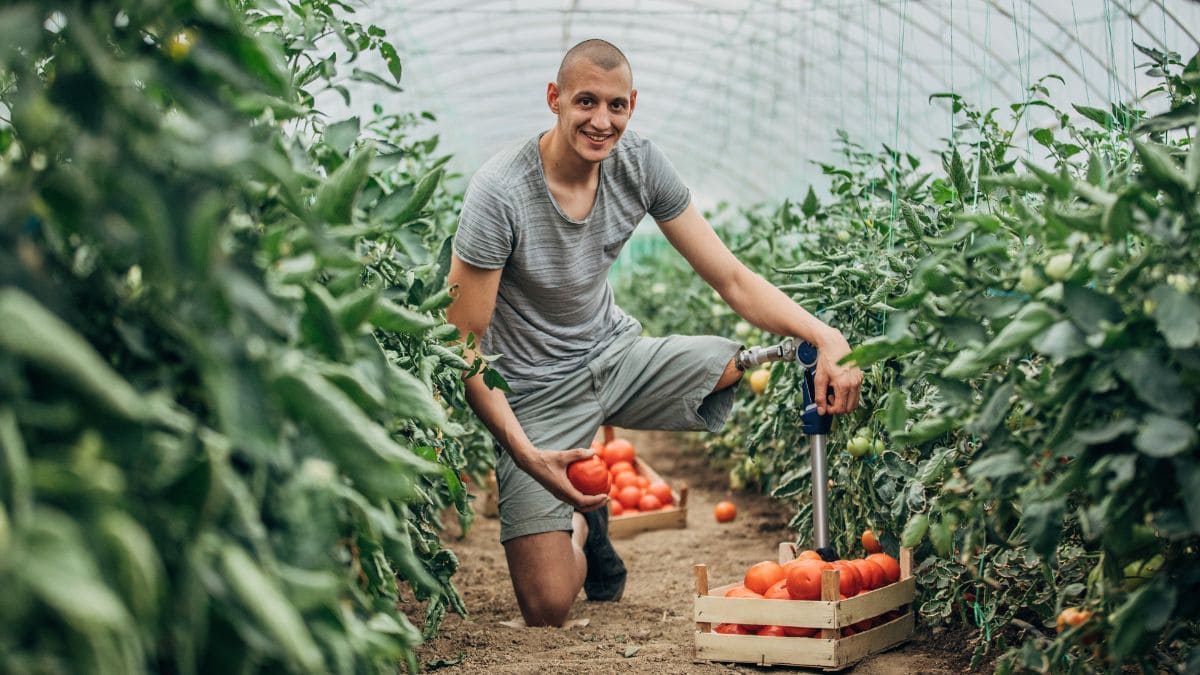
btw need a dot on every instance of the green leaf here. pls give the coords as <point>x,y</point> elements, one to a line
<point>389,316</point>
<point>1187,474</point>
<point>493,380</point>
<point>926,429</point>
<point>1178,117</point>
<point>1090,309</point>
<point>1159,164</point>
<point>436,301</point>
<point>1107,432</point>
<point>336,196</point>
<point>355,308</point>
<point>1042,520</point>
<point>876,349</point>
<point>941,534</point>
<point>1162,436</point>
<point>914,530</point>
<point>1144,611</point>
<point>1030,321</point>
<point>1155,382</point>
<point>1178,316</point>
<point>966,364</point>
<point>958,175</point>
<point>1097,173</point>
<point>897,411</point>
<point>421,195</point>
<point>55,562</point>
<point>810,206</point>
<point>410,398</point>
<point>365,451</point>
<point>264,603</point>
<point>1062,341</point>
<point>35,335</point>
<point>139,568</point>
<point>341,135</point>
<point>993,411</point>
<point>1044,137</point>
<point>997,465</point>
<point>1101,117</point>
<point>392,59</point>
<point>320,325</point>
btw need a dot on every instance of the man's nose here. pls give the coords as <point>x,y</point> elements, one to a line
<point>601,120</point>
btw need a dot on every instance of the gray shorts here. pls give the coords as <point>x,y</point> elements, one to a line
<point>636,383</point>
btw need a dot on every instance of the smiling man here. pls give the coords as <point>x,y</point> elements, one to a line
<point>541,225</point>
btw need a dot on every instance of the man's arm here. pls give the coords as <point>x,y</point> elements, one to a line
<point>760,303</point>
<point>474,293</point>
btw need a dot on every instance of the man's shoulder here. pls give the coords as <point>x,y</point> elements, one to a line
<point>510,166</point>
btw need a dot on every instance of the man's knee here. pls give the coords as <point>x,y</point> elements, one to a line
<point>545,609</point>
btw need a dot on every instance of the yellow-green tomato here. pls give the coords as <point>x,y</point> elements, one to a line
<point>1029,280</point>
<point>1059,266</point>
<point>858,446</point>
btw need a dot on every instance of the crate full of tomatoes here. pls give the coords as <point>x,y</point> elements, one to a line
<point>639,499</point>
<point>803,611</point>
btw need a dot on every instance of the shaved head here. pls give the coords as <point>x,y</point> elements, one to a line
<point>598,52</point>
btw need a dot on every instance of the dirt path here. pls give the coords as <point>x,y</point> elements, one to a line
<point>653,622</point>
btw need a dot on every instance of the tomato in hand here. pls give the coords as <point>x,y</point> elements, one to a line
<point>589,476</point>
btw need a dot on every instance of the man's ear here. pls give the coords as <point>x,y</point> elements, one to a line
<point>552,97</point>
<point>632,100</point>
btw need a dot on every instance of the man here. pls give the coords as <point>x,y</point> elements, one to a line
<point>540,226</point>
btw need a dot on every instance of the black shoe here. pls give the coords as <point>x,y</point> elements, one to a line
<point>605,579</point>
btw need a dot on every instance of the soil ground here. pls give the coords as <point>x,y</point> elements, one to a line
<point>651,629</point>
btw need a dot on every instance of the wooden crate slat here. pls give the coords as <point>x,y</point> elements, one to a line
<point>876,602</point>
<point>851,649</point>
<point>809,614</point>
<point>765,651</point>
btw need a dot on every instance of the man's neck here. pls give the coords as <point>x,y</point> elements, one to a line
<point>561,165</point>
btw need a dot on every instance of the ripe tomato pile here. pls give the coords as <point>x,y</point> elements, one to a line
<point>800,579</point>
<point>614,469</point>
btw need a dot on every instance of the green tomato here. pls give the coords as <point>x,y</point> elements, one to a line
<point>1029,281</point>
<point>858,446</point>
<point>842,235</point>
<point>1059,266</point>
<point>877,447</point>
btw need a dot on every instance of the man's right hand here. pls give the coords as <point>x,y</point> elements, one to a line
<point>549,467</point>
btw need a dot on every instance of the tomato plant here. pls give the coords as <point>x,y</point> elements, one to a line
<point>230,410</point>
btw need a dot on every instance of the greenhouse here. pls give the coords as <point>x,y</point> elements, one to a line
<point>669,336</point>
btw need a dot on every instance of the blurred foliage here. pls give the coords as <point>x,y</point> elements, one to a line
<point>231,411</point>
<point>1030,338</point>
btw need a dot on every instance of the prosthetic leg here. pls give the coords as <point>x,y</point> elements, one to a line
<point>815,426</point>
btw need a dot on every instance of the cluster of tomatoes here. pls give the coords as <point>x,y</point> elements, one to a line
<point>613,470</point>
<point>800,579</point>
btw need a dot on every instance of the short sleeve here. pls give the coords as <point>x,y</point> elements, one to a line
<point>666,195</point>
<point>485,225</point>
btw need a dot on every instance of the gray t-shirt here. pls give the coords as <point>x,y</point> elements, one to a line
<point>554,308</point>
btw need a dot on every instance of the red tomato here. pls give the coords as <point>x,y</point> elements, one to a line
<point>589,476</point>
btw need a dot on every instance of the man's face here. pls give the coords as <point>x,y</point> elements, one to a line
<point>593,107</point>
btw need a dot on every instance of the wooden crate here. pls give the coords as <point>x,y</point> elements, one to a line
<point>829,651</point>
<point>666,518</point>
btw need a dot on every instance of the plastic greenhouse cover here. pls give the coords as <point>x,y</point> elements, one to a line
<point>746,97</point>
